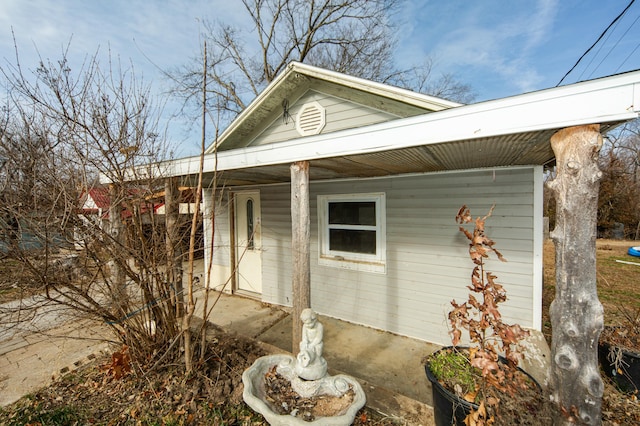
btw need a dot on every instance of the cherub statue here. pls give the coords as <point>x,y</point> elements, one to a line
<point>312,333</point>
<point>310,364</point>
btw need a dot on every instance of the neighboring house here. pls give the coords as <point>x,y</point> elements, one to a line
<point>94,213</point>
<point>94,210</point>
<point>27,234</point>
<point>389,170</point>
<point>95,206</point>
<point>95,203</point>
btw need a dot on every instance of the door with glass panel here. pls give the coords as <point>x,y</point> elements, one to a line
<point>248,241</point>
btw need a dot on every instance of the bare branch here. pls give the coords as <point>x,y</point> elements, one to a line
<point>350,36</point>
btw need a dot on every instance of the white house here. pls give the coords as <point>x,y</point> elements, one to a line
<point>388,171</point>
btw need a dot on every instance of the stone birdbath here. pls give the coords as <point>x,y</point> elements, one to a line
<point>308,378</point>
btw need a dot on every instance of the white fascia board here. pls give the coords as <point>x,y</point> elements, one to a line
<point>393,92</point>
<point>240,119</point>
<point>609,99</point>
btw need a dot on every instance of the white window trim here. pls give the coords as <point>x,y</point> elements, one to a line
<point>376,263</point>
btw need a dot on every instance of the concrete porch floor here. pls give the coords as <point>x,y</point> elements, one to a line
<point>388,366</point>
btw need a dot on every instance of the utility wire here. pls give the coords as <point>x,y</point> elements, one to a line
<point>596,42</point>
<point>602,43</point>
<point>614,46</point>
<point>627,58</point>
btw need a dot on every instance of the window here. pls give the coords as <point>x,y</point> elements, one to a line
<point>351,231</point>
<point>250,240</point>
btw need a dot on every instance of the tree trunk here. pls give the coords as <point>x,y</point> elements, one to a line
<point>576,313</point>
<point>117,232</point>
<point>300,235</point>
<point>174,243</point>
<point>191,306</point>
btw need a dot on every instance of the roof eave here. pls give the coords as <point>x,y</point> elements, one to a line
<point>606,100</point>
<point>418,99</point>
<point>612,99</point>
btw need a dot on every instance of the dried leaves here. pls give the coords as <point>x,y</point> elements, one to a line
<point>286,401</point>
<point>212,395</point>
<point>480,316</point>
<point>119,366</point>
<point>481,246</point>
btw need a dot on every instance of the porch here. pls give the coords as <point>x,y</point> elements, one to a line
<point>388,366</point>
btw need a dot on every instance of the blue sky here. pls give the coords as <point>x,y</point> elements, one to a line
<point>504,48</point>
<point>501,48</point>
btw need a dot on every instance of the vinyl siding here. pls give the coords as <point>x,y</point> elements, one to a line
<point>427,256</point>
<point>340,114</point>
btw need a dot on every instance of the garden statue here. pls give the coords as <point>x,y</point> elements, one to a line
<point>310,364</point>
<point>307,375</point>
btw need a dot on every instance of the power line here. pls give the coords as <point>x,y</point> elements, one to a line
<point>615,45</point>
<point>595,55</point>
<point>627,58</point>
<point>596,42</point>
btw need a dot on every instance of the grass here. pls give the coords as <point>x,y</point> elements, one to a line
<point>453,367</point>
<point>36,413</point>
<point>15,281</point>
<point>617,282</point>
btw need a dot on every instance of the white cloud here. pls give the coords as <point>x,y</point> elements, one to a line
<point>480,41</point>
<point>500,41</point>
<point>166,31</point>
<point>145,34</point>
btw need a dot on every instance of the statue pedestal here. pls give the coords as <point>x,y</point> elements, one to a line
<point>308,377</point>
<point>308,369</point>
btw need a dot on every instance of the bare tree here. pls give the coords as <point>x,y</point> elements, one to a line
<point>63,129</point>
<point>619,190</point>
<point>350,36</point>
<point>619,198</point>
<point>421,78</point>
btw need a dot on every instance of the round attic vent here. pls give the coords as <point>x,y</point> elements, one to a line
<point>310,119</point>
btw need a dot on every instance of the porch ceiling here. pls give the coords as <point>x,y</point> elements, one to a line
<point>508,150</point>
<point>530,148</point>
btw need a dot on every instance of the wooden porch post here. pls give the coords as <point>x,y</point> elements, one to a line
<point>300,235</point>
<point>576,313</point>
<point>173,242</point>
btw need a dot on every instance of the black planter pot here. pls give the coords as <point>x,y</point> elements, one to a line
<point>621,365</point>
<point>448,408</point>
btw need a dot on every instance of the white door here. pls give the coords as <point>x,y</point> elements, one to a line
<point>248,241</point>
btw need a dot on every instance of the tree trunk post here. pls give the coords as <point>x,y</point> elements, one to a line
<point>300,242</point>
<point>577,316</point>
<point>174,243</point>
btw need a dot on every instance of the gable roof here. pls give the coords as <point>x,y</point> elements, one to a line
<point>504,132</point>
<point>97,200</point>
<point>298,78</point>
<point>98,195</point>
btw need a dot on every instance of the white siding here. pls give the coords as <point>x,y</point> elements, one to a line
<point>427,258</point>
<point>340,114</point>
